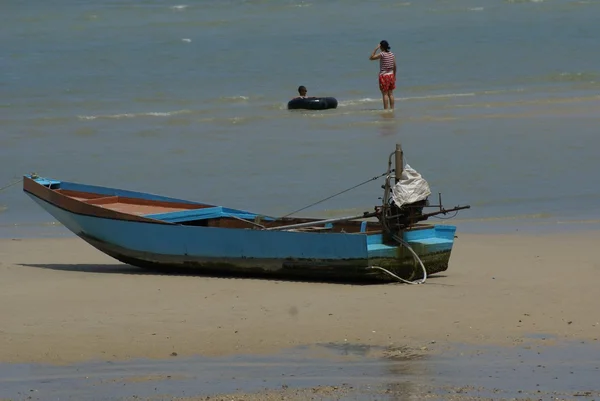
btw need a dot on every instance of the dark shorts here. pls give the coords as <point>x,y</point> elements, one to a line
<point>387,82</point>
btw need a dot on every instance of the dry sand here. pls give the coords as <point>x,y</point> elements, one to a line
<point>63,301</point>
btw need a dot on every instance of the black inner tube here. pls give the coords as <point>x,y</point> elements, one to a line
<point>313,103</point>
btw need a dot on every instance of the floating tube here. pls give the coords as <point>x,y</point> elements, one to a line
<point>313,103</point>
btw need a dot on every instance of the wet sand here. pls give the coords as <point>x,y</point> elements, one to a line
<point>325,372</point>
<point>63,302</point>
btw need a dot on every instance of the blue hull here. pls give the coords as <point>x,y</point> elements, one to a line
<point>181,240</point>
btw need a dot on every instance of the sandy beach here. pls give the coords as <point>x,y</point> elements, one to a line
<point>61,301</point>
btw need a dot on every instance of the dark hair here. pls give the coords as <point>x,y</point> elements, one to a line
<point>301,88</point>
<point>385,46</point>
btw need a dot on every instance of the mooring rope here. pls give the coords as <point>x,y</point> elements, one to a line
<point>334,195</point>
<point>416,258</point>
<point>11,184</point>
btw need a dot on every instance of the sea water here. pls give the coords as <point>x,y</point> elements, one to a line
<point>496,103</point>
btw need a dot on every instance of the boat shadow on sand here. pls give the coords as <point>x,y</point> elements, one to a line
<point>132,270</point>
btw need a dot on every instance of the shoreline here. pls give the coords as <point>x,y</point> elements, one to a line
<point>62,301</point>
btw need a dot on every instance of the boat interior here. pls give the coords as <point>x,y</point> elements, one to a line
<point>198,214</point>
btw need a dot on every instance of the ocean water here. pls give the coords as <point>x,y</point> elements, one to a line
<point>496,103</point>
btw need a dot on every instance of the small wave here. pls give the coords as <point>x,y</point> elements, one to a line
<point>574,77</point>
<point>523,1</point>
<point>365,111</point>
<point>434,97</point>
<point>529,102</point>
<point>135,115</point>
<point>179,8</point>
<point>434,118</point>
<point>454,10</point>
<point>588,221</point>
<point>501,91</point>
<point>237,120</point>
<point>315,113</point>
<point>186,40</point>
<point>239,98</point>
<point>581,77</point>
<point>357,101</point>
<point>276,106</point>
<point>191,24</point>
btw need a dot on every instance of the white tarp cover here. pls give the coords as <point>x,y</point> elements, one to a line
<point>411,187</point>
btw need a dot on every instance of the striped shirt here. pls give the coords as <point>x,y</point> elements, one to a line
<point>386,62</point>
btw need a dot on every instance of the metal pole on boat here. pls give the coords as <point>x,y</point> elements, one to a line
<point>321,222</point>
<point>399,161</point>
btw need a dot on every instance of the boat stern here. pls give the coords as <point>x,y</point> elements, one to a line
<point>432,244</point>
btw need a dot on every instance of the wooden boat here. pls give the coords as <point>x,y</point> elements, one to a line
<point>152,231</point>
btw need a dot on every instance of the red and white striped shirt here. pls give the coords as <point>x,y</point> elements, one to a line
<point>386,63</point>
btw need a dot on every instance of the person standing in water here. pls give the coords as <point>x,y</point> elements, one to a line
<point>387,72</point>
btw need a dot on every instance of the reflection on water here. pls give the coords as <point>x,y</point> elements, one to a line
<point>390,124</point>
<point>358,366</point>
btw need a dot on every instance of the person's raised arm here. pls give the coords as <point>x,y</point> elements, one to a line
<point>375,56</point>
